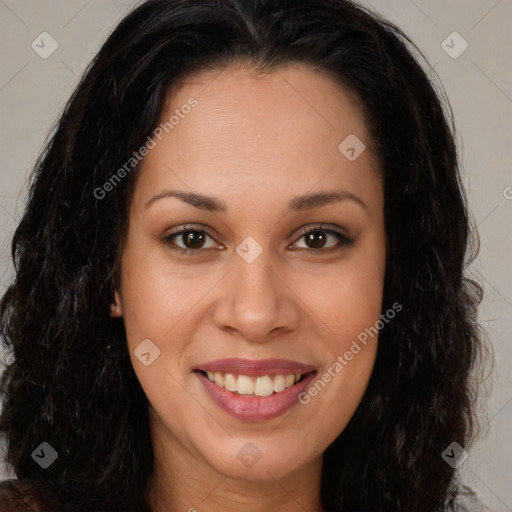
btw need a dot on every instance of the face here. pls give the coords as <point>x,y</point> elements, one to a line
<point>254,259</point>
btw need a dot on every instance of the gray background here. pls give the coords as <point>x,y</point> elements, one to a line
<point>479,84</point>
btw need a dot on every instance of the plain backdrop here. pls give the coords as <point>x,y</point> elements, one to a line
<point>478,82</point>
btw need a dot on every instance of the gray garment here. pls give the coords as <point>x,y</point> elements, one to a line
<point>469,501</point>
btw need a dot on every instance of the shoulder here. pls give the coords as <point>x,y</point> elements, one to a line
<point>27,496</point>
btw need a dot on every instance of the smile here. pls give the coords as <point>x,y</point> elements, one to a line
<point>255,390</point>
<point>264,385</point>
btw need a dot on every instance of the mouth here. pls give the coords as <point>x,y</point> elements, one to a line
<point>255,390</point>
<point>246,385</point>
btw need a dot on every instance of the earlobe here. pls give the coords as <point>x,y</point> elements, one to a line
<point>115,308</point>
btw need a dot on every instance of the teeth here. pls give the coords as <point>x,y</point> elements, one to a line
<point>245,385</point>
<point>289,381</point>
<point>219,379</point>
<point>262,385</point>
<point>279,383</point>
<point>230,382</point>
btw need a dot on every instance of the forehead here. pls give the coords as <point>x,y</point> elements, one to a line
<point>273,133</point>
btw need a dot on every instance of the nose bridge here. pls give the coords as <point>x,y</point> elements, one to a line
<point>258,303</point>
<point>254,282</point>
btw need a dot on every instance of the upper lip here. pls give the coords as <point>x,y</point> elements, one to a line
<point>256,367</point>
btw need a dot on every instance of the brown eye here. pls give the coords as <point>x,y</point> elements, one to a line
<point>315,239</point>
<point>193,239</point>
<point>320,239</point>
<point>190,240</point>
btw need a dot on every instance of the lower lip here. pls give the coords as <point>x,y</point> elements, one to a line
<point>251,408</point>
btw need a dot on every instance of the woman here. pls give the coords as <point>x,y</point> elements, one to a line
<point>240,274</point>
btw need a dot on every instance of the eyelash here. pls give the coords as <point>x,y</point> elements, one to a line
<point>343,240</point>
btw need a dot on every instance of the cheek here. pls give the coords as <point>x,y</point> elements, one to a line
<point>346,298</point>
<point>155,302</point>
<point>347,303</point>
<point>155,308</point>
<point>350,312</point>
<point>157,296</point>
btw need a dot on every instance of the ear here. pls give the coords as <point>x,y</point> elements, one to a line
<point>116,310</point>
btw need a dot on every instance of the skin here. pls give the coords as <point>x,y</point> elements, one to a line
<point>253,142</point>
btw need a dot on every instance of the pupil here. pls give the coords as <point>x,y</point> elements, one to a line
<point>193,239</point>
<point>317,239</point>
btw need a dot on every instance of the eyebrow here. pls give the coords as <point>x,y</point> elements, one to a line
<point>297,204</point>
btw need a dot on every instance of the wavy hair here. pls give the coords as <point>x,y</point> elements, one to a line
<point>69,380</point>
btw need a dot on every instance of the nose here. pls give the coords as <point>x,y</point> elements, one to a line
<point>256,302</point>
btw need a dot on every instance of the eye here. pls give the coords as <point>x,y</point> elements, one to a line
<point>190,240</point>
<point>319,238</point>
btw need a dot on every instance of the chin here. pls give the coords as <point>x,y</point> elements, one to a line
<point>260,459</point>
